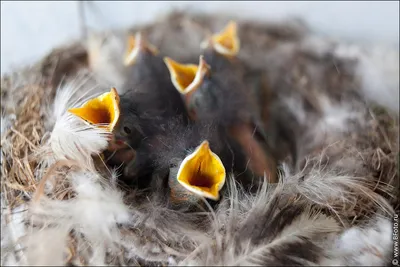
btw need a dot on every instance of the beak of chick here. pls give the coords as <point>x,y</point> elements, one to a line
<point>102,111</point>
<point>187,77</point>
<point>225,42</point>
<point>137,44</point>
<point>202,172</point>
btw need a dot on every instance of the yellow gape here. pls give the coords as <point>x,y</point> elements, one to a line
<point>225,42</point>
<point>102,111</point>
<point>136,44</point>
<point>202,172</point>
<point>187,77</point>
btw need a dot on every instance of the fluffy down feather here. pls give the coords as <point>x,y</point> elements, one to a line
<point>368,245</point>
<point>70,137</point>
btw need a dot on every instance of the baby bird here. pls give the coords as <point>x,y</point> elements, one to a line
<point>215,91</point>
<point>149,98</point>
<point>148,101</point>
<point>141,112</point>
<point>201,173</point>
<point>193,161</point>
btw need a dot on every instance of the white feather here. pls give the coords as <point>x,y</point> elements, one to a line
<point>73,93</point>
<point>50,250</point>
<point>95,213</point>
<point>74,139</point>
<point>12,229</point>
<point>71,137</point>
<point>369,245</point>
<point>378,70</point>
<point>337,118</point>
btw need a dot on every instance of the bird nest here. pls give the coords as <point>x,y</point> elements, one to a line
<point>60,211</point>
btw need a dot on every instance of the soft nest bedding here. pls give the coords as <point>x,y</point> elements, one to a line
<point>334,205</point>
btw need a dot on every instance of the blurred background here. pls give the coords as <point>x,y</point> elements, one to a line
<point>29,30</point>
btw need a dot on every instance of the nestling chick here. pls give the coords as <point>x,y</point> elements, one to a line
<point>150,97</point>
<point>215,90</point>
<point>200,174</point>
<point>148,101</point>
<point>194,160</point>
<point>104,111</point>
<point>141,112</point>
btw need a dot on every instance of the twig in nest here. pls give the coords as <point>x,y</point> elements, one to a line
<point>71,252</point>
<point>62,163</point>
<point>23,137</point>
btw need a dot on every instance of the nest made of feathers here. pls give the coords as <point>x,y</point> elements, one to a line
<point>112,176</point>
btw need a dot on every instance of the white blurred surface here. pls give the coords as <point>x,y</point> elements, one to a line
<point>30,29</point>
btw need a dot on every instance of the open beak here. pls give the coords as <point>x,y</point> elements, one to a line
<point>137,44</point>
<point>102,111</point>
<point>187,77</point>
<point>225,42</point>
<point>202,172</point>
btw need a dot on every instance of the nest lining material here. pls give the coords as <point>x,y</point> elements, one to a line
<point>63,207</point>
